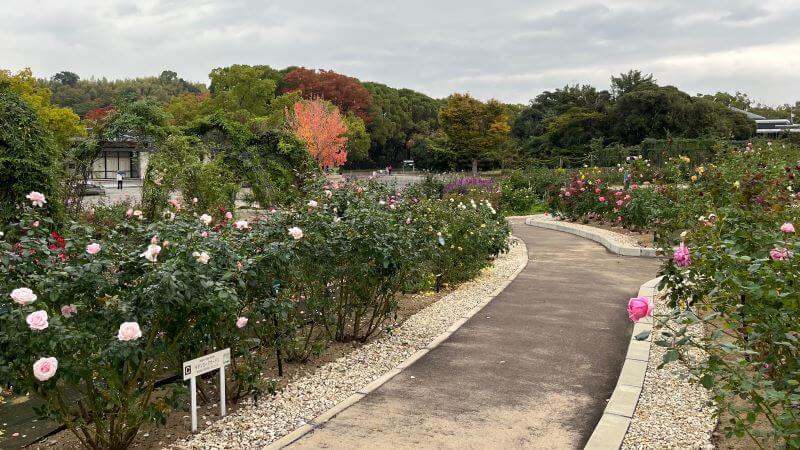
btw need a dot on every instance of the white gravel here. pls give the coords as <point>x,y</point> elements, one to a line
<point>672,412</point>
<point>255,426</point>
<point>623,239</point>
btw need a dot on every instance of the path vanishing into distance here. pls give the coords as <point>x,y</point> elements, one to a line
<point>533,369</point>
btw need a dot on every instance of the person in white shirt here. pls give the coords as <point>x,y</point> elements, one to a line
<point>119,180</point>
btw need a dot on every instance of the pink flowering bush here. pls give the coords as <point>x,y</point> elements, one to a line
<point>737,274</point>
<point>98,313</point>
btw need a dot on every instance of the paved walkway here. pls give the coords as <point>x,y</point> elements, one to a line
<point>532,370</point>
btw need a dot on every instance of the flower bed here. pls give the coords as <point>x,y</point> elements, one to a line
<point>734,274</point>
<point>99,311</point>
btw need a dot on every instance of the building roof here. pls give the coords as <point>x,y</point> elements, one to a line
<point>749,114</point>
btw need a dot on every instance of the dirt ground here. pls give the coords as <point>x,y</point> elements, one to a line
<point>179,422</point>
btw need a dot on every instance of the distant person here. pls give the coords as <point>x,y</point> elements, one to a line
<point>119,179</point>
<point>389,169</point>
<point>626,180</point>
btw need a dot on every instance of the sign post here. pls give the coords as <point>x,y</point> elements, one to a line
<point>199,366</point>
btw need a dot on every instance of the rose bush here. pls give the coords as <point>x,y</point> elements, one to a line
<point>736,273</point>
<point>100,311</point>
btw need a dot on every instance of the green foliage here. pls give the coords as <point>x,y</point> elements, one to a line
<point>357,138</point>
<point>214,283</point>
<point>187,107</point>
<point>243,88</point>
<point>28,158</point>
<point>473,129</point>
<point>739,286</point>
<point>85,95</point>
<point>143,119</point>
<point>63,124</point>
<point>525,191</point>
<point>402,122</point>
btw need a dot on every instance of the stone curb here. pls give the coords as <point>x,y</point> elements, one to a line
<point>295,435</point>
<point>613,425</point>
<point>610,244</point>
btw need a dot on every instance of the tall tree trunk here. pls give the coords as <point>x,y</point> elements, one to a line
<point>475,167</point>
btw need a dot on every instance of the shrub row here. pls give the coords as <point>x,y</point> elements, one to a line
<point>99,311</point>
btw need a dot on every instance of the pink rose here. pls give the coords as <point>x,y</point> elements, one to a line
<point>36,198</point>
<point>682,256</point>
<point>229,215</point>
<point>620,202</point>
<point>602,199</point>
<point>640,307</point>
<point>93,248</point>
<point>69,310</point>
<point>37,320</point>
<point>175,204</point>
<point>568,193</point>
<point>35,224</point>
<point>129,331</point>
<point>241,225</point>
<point>296,233</point>
<point>129,212</point>
<point>204,234</point>
<point>45,368</point>
<point>787,227</point>
<point>23,296</point>
<point>597,190</point>
<point>241,322</point>
<point>151,254</point>
<point>780,254</point>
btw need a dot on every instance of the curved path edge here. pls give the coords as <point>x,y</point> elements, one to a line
<point>361,393</point>
<point>613,247</point>
<point>613,425</point>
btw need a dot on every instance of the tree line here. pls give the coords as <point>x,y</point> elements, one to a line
<point>386,125</point>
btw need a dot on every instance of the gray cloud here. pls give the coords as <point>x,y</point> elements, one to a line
<point>511,50</point>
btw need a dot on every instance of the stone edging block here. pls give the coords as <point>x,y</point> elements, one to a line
<point>613,425</point>
<point>285,441</point>
<point>610,244</point>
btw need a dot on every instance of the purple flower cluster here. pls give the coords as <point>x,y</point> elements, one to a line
<point>464,185</point>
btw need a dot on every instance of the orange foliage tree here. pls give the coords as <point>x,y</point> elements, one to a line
<point>321,127</point>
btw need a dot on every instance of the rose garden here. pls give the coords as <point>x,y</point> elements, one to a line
<point>246,237</point>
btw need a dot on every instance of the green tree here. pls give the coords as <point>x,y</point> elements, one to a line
<point>634,80</point>
<point>474,129</point>
<point>66,77</point>
<point>357,138</point>
<point>403,123</point>
<point>28,157</point>
<point>244,88</point>
<point>64,125</point>
<point>186,107</point>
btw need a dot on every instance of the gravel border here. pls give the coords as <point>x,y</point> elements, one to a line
<point>617,243</point>
<point>313,399</point>
<point>672,412</point>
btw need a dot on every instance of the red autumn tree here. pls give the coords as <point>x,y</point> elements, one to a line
<point>98,115</point>
<point>347,93</point>
<point>322,128</point>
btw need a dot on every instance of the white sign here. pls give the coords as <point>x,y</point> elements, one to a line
<point>207,363</point>
<point>204,364</point>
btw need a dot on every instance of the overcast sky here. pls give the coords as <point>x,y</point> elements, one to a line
<point>506,49</point>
